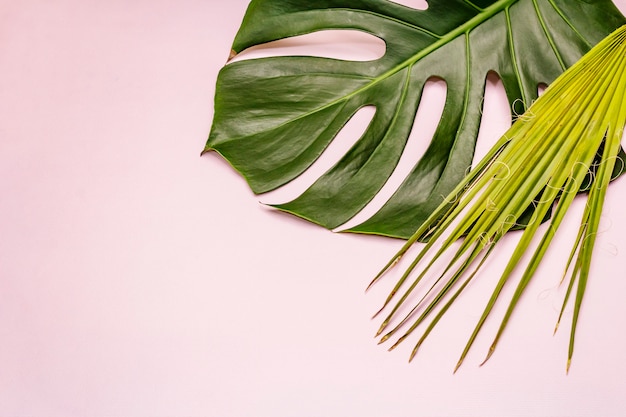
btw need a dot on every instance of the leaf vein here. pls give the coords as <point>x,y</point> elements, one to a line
<point>558,10</point>
<point>468,66</point>
<point>480,9</point>
<point>549,36</point>
<point>402,22</point>
<point>394,120</point>
<point>514,61</point>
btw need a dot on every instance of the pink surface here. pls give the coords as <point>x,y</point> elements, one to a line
<point>138,279</point>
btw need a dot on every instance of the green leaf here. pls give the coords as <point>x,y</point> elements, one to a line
<point>275,116</point>
<point>547,153</point>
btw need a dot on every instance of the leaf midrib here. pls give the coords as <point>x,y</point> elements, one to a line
<point>465,28</point>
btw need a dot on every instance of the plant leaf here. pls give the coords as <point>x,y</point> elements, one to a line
<point>547,153</point>
<point>275,116</point>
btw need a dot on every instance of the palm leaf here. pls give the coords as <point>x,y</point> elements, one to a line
<point>275,116</point>
<point>541,162</point>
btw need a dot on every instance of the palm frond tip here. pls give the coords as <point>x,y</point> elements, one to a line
<point>539,165</point>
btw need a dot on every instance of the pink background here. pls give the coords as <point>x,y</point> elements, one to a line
<point>138,279</point>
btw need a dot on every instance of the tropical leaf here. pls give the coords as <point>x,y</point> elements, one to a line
<point>541,161</point>
<point>275,116</point>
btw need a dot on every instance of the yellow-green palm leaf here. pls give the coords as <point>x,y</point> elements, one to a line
<point>542,162</point>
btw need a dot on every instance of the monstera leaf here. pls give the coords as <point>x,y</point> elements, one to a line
<point>275,116</point>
